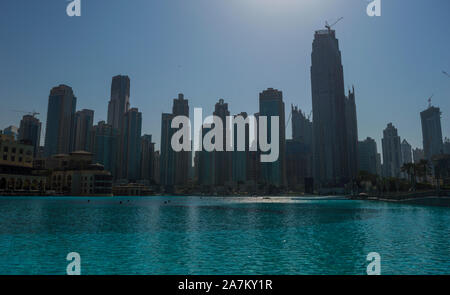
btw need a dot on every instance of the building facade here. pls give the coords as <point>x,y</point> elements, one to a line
<point>84,121</point>
<point>271,104</point>
<point>131,145</point>
<point>147,159</point>
<point>331,133</point>
<point>431,132</point>
<point>392,153</point>
<point>16,172</point>
<point>406,152</point>
<point>104,146</point>
<point>368,156</point>
<point>60,126</point>
<point>30,131</point>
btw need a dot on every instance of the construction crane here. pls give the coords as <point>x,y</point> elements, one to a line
<point>429,101</point>
<point>330,26</point>
<point>445,73</point>
<point>33,113</point>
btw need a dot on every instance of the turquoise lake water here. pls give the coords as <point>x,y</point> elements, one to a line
<point>192,235</point>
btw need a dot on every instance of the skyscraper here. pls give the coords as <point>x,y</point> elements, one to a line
<point>105,145</point>
<point>431,132</point>
<point>147,158</point>
<point>131,151</point>
<point>271,104</point>
<point>30,131</point>
<point>223,159</point>
<point>332,165</point>
<point>392,153</point>
<point>183,159</point>
<point>60,126</point>
<point>84,120</point>
<point>302,127</point>
<point>167,156</point>
<point>206,164</point>
<point>406,152</point>
<point>174,166</point>
<point>368,156</point>
<point>352,133</point>
<point>120,101</point>
<point>240,160</point>
<point>299,158</point>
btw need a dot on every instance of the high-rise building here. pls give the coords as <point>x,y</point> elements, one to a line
<point>241,160</point>
<point>331,110</point>
<point>156,168</point>
<point>392,153</point>
<point>418,155</point>
<point>299,158</point>
<point>105,145</point>
<point>298,163</point>
<point>147,158</point>
<point>183,159</point>
<point>271,104</point>
<point>302,127</point>
<point>447,146</point>
<point>352,133</point>
<point>120,101</point>
<point>379,165</point>
<point>30,131</point>
<point>223,159</point>
<point>131,151</point>
<point>12,130</point>
<point>174,166</point>
<point>431,132</point>
<point>368,156</point>
<point>206,170</point>
<point>406,152</point>
<point>60,126</point>
<point>167,156</point>
<point>84,121</point>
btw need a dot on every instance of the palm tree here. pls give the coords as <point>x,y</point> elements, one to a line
<point>423,169</point>
<point>410,169</point>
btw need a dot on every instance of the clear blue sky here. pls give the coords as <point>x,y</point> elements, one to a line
<point>230,49</point>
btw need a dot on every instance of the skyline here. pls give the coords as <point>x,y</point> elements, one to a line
<point>213,75</point>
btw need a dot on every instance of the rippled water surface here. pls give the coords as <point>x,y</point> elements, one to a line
<point>192,235</point>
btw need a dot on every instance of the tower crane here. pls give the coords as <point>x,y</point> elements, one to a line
<point>33,113</point>
<point>330,26</point>
<point>429,100</point>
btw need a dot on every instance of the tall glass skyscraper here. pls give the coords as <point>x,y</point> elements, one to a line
<point>334,115</point>
<point>271,104</point>
<point>120,101</point>
<point>432,132</point>
<point>105,145</point>
<point>131,152</point>
<point>392,153</point>
<point>174,166</point>
<point>84,120</point>
<point>30,131</point>
<point>60,126</point>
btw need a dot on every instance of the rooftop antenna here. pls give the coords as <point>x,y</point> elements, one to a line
<point>330,26</point>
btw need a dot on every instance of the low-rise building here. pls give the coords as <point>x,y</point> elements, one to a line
<point>75,175</point>
<point>17,176</point>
